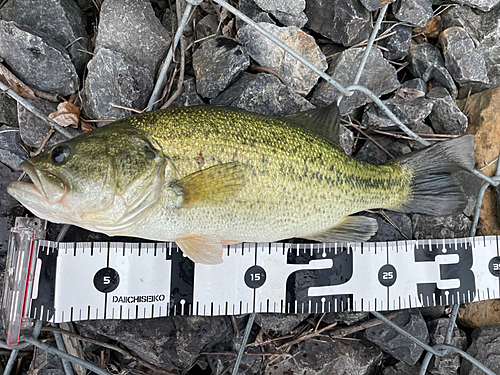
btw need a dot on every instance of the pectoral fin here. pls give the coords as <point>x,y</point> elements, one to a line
<point>350,229</point>
<point>201,249</point>
<point>322,120</point>
<point>212,185</point>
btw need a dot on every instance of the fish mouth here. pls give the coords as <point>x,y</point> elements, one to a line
<point>46,185</point>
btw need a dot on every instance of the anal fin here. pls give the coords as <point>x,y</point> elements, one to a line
<point>350,229</point>
<point>201,249</point>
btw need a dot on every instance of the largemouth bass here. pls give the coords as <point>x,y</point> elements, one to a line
<point>207,176</point>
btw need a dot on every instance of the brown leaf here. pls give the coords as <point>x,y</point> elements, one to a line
<point>86,127</point>
<point>228,29</point>
<point>67,114</point>
<point>15,84</point>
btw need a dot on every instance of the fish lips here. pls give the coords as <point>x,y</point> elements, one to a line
<point>46,187</point>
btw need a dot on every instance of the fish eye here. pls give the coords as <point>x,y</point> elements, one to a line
<point>60,154</point>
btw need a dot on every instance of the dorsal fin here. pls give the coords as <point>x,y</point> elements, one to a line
<point>322,120</point>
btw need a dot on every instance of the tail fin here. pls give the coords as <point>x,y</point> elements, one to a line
<point>434,191</point>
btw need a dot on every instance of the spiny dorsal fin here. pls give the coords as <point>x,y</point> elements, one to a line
<point>322,120</point>
<point>212,185</point>
<point>201,249</point>
<point>350,229</point>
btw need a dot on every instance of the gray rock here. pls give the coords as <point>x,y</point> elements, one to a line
<point>420,128</point>
<point>345,317</point>
<point>251,10</point>
<point>113,78</point>
<point>372,5</point>
<point>371,153</point>
<point>409,111</point>
<point>322,357</point>
<point>131,28</point>
<point>395,344</point>
<point>8,111</point>
<point>62,20</point>
<point>298,20</point>
<point>6,12</point>
<point>223,364</point>
<point>9,209</point>
<point>378,76</point>
<point>171,341</point>
<point>402,368</point>
<point>188,96</point>
<point>398,44</point>
<point>387,232</point>
<point>11,153</point>
<point>345,22</point>
<point>449,364</point>
<point>285,6</point>
<point>471,186</point>
<point>426,62</point>
<point>484,5</point>
<point>398,148</point>
<point>38,61</point>
<point>415,12</point>
<point>432,312</point>
<point>485,348</point>
<point>479,25</point>
<point>282,323</point>
<point>207,26</point>
<point>262,93</point>
<point>446,117</point>
<point>484,29</point>
<point>289,13</point>
<point>266,53</point>
<point>346,139</point>
<point>450,226</point>
<point>217,62</point>
<point>49,364</point>
<point>417,84</point>
<point>34,130</point>
<point>461,58</point>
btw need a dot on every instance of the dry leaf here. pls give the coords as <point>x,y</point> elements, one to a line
<point>86,127</point>
<point>228,29</point>
<point>67,114</point>
<point>409,93</point>
<point>15,84</point>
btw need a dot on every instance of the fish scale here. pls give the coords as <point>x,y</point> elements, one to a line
<point>296,179</point>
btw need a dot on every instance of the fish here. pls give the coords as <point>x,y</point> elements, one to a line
<point>209,176</point>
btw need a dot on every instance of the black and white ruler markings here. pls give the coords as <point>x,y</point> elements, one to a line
<point>80,281</point>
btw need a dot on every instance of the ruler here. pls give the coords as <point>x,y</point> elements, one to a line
<point>81,281</point>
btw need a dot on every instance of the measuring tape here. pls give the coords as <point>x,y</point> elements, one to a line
<point>84,280</point>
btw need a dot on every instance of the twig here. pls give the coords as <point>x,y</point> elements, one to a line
<point>44,142</point>
<point>358,128</point>
<point>180,80</point>
<point>386,217</point>
<point>344,331</point>
<point>123,352</point>
<point>262,354</point>
<point>269,70</point>
<point>73,42</point>
<point>82,50</point>
<point>125,107</point>
<point>51,97</point>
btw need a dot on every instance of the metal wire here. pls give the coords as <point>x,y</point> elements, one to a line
<point>168,59</point>
<point>368,48</point>
<point>5,89</point>
<point>63,355</point>
<point>248,329</point>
